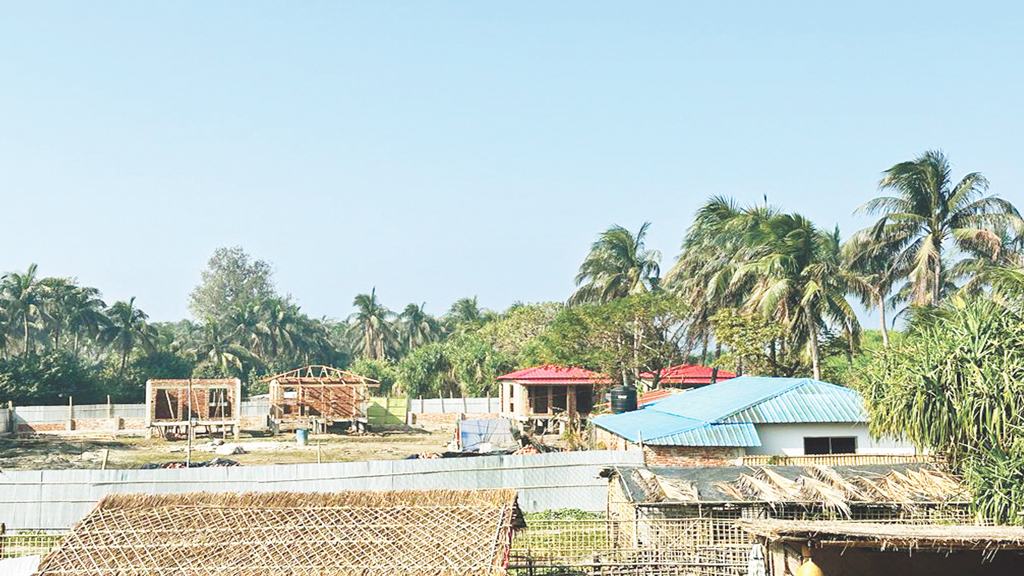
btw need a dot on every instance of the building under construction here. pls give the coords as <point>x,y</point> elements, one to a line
<point>185,406</point>
<point>315,397</point>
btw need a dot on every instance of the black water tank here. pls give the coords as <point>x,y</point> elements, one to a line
<point>623,399</point>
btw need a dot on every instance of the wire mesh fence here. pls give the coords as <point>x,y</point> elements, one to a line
<point>656,547</point>
<point>29,543</point>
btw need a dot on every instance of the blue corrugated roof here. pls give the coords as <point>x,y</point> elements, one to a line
<point>714,402</point>
<point>813,401</point>
<point>730,434</point>
<point>724,414</point>
<point>651,424</point>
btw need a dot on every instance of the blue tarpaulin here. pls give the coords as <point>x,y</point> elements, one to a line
<point>497,432</point>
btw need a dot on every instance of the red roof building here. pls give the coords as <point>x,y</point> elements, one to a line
<point>689,375</point>
<point>549,392</point>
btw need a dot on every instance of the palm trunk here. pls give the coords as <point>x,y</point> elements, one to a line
<point>815,360</point>
<point>885,331</point>
<point>938,276</point>
<point>704,349</point>
<point>26,331</point>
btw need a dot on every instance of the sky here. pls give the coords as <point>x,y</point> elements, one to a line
<point>436,150</point>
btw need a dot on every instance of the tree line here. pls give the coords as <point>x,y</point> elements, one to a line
<point>754,288</point>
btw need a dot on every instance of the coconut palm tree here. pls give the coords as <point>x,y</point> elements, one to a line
<point>23,298</point>
<point>416,327</point>
<point>618,265</point>
<point>370,326</point>
<point>926,212</point>
<point>218,347</point>
<point>127,330</point>
<point>873,266</point>
<point>467,316</point>
<point>75,311</point>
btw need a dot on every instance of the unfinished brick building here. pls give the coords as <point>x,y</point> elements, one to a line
<point>315,397</point>
<point>184,405</point>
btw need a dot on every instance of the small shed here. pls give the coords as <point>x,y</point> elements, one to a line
<point>550,393</point>
<point>175,405</point>
<point>854,548</point>
<point>413,533</point>
<point>315,397</point>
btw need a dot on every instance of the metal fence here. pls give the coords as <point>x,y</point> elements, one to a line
<point>56,499</point>
<point>257,407</point>
<point>453,405</point>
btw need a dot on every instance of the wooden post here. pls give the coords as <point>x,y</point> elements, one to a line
<point>110,408</point>
<point>318,457</point>
<point>106,454</point>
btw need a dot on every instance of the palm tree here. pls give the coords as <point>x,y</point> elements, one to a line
<point>371,330</point>
<point>618,265</point>
<point>126,330</point>
<point>77,311</point>
<point>872,264</point>
<point>23,298</point>
<point>218,347</point>
<point>927,211</point>
<point>703,272</point>
<point>467,316</point>
<point>416,327</point>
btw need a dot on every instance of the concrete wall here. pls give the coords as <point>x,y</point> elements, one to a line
<point>788,439</point>
<point>56,499</point>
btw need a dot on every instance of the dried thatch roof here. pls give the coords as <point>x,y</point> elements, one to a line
<point>440,533</point>
<point>834,488</point>
<point>885,536</point>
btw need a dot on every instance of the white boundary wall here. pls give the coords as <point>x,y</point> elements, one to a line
<point>56,499</point>
<point>258,407</point>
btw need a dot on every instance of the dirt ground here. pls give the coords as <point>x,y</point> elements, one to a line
<point>67,451</point>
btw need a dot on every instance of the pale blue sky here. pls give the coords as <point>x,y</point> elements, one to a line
<point>443,149</point>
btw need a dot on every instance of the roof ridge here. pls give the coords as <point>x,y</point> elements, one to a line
<point>800,382</point>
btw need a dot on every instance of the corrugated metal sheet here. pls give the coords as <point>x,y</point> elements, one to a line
<point>716,401</point>
<point>56,499</point>
<point>553,374</point>
<point>813,401</point>
<point>648,424</point>
<point>696,417</point>
<point>742,434</point>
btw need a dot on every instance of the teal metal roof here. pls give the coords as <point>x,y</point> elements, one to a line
<point>731,434</point>
<point>647,424</point>
<point>812,401</point>
<point>724,414</point>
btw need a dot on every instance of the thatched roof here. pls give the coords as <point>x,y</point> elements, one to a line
<point>436,533</point>
<point>836,488</point>
<point>321,376</point>
<point>886,536</point>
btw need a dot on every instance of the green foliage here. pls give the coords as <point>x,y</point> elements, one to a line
<point>382,371</point>
<point>232,280</point>
<point>518,331</point>
<point>130,386</point>
<point>756,345</point>
<point>462,365</point>
<point>954,385</point>
<point>564,514</point>
<point>621,338</point>
<point>49,378</point>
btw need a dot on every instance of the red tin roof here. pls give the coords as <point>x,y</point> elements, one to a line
<point>658,394</point>
<point>554,374</point>
<point>689,374</point>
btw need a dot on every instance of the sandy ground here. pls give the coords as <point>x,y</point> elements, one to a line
<point>64,451</point>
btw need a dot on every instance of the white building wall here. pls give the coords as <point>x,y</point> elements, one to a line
<point>788,439</point>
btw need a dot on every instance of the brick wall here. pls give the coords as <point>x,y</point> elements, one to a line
<point>691,456</point>
<point>670,455</point>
